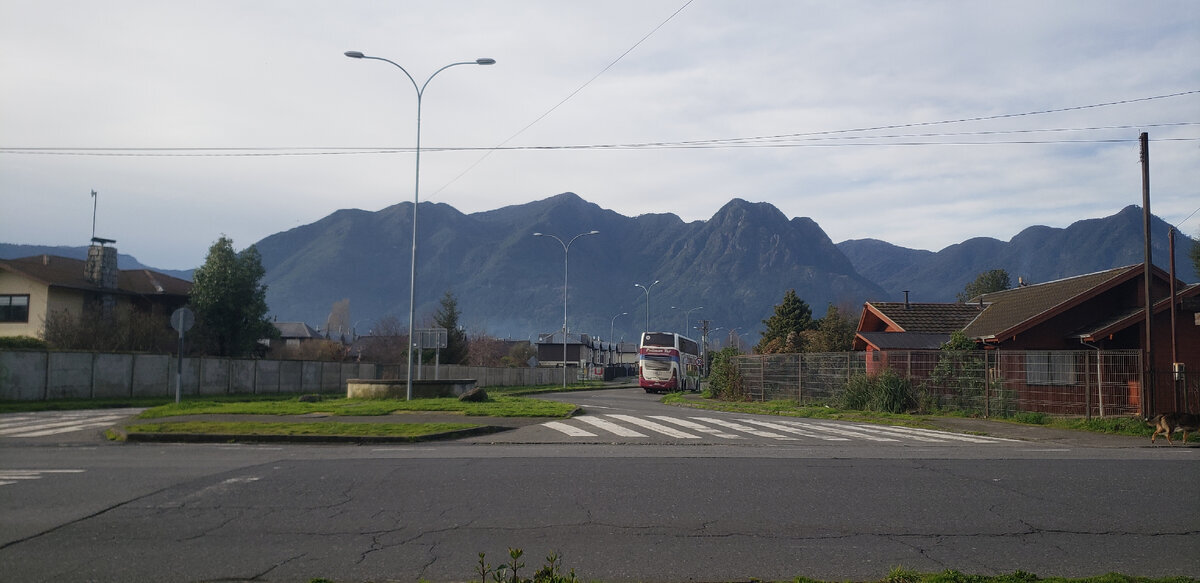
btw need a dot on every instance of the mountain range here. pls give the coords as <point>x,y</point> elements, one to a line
<point>731,269</point>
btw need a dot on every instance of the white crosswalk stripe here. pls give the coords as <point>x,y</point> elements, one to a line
<point>656,427</point>
<point>699,427</point>
<point>59,422</point>
<point>9,477</point>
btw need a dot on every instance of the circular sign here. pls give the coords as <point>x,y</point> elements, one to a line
<point>182,320</point>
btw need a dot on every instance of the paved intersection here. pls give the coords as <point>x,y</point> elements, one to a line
<point>50,423</point>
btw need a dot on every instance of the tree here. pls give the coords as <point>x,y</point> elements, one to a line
<point>230,302</point>
<point>785,327</point>
<point>833,333</point>
<point>457,348</point>
<point>338,322</point>
<point>987,282</point>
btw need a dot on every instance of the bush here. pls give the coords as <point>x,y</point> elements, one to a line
<point>886,392</point>
<point>724,380</point>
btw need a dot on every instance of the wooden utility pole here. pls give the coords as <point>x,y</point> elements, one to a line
<point>1147,350</point>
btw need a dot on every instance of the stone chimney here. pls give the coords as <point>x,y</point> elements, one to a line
<point>101,267</point>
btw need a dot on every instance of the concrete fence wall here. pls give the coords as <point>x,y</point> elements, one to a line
<point>484,376</point>
<point>33,375</point>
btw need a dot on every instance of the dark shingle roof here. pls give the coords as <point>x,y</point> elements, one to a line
<point>69,273</point>
<point>1013,309</point>
<point>296,330</point>
<point>928,318</point>
<point>905,340</point>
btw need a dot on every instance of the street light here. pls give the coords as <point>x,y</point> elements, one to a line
<point>412,297</point>
<point>566,248</point>
<point>613,323</point>
<point>686,317</point>
<point>647,290</point>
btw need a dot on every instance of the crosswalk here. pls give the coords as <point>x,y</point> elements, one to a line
<point>47,423</point>
<point>706,427</point>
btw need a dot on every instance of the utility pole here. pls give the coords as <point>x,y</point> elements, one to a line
<point>1147,352</point>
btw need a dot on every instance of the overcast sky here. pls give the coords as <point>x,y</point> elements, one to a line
<point>642,106</point>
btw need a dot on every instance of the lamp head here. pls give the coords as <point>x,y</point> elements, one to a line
<point>354,54</point>
<point>485,61</point>
<point>537,234</point>
<point>594,233</point>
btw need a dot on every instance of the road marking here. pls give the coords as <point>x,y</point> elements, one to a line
<point>931,435</point>
<point>854,432</point>
<point>41,426</point>
<point>656,427</point>
<point>697,427</point>
<point>792,429</point>
<point>570,430</point>
<point>609,426</point>
<point>9,477</point>
<point>744,428</point>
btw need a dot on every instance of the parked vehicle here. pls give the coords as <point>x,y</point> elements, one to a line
<point>668,362</point>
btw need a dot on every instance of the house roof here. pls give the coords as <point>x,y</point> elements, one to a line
<point>904,340</point>
<point>65,272</point>
<point>926,318</point>
<point>1012,310</point>
<point>296,330</point>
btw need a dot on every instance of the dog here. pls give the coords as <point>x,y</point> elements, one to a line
<point>1169,423</point>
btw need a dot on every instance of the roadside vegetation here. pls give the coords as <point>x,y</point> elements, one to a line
<point>496,406</point>
<point>552,572</point>
<point>394,430</point>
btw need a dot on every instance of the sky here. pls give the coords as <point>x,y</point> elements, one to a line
<point>920,123</point>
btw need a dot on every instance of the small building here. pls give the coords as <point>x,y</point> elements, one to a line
<point>33,288</point>
<point>293,334</point>
<point>1042,324</point>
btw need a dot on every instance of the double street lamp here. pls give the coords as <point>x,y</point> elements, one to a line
<point>646,289</point>
<point>686,318</point>
<point>566,248</point>
<point>412,297</point>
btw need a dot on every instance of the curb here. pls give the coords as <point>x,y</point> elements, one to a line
<point>138,437</point>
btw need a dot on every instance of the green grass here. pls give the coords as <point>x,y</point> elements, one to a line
<point>310,429</point>
<point>77,404</point>
<point>496,406</point>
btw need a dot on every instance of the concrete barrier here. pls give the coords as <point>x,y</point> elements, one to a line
<point>393,389</point>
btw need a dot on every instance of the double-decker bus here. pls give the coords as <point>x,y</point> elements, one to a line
<point>668,362</point>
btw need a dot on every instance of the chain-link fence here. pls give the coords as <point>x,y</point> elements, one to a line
<point>989,383</point>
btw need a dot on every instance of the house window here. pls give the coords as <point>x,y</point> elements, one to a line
<point>1049,368</point>
<point>14,308</point>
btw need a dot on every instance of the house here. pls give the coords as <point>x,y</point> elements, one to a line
<point>1040,323</point>
<point>293,334</point>
<point>32,288</point>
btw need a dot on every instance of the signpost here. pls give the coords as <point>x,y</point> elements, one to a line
<point>435,338</point>
<point>182,320</point>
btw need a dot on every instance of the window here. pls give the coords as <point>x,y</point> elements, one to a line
<point>1049,368</point>
<point>14,308</point>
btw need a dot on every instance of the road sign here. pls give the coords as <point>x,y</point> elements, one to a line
<point>182,320</point>
<point>431,337</point>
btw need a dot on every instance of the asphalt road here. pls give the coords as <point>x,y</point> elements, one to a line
<point>617,508</point>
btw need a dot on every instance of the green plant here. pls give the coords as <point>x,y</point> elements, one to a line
<point>510,572</point>
<point>22,343</point>
<point>724,380</point>
<point>887,392</point>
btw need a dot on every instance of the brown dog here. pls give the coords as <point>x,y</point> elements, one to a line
<point>1169,423</point>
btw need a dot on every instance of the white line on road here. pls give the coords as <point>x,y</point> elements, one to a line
<point>697,427</point>
<point>656,427</point>
<point>744,428</point>
<point>609,426</point>
<point>795,430</point>
<point>568,429</point>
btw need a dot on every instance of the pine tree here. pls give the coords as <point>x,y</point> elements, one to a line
<point>457,347</point>
<point>785,327</point>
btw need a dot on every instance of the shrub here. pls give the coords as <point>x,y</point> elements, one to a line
<point>886,392</point>
<point>724,380</point>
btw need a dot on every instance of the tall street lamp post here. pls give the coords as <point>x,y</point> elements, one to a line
<point>613,323</point>
<point>566,248</point>
<point>687,317</point>
<point>412,297</point>
<point>647,290</point>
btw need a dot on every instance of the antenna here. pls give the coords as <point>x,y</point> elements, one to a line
<point>95,201</point>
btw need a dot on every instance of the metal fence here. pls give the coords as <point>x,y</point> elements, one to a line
<point>990,383</point>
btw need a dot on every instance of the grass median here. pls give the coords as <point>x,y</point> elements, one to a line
<point>496,406</point>
<point>322,429</point>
